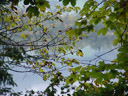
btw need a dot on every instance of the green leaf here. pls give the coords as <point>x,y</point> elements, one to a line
<point>45,77</point>
<point>57,7</point>
<point>41,70</point>
<point>79,53</point>
<point>84,35</point>
<point>46,3</point>
<point>26,2</point>
<point>72,32</point>
<point>32,2</point>
<point>13,24</point>
<point>65,2</point>
<point>115,42</point>
<point>23,36</point>
<point>32,11</point>
<point>73,2</point>
<point>75,61</point>
<point>25,26</point>
<point>103,31</point>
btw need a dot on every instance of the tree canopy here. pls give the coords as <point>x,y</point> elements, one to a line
<point>28,41</point>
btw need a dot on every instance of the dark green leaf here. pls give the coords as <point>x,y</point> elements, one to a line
<point>26,2</point>
<point>65,2</point>
<point>73,2</point>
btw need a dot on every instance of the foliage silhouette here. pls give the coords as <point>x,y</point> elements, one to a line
<point>94,79</point>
